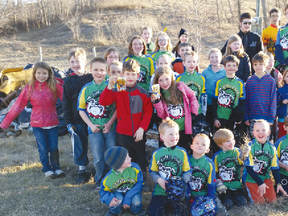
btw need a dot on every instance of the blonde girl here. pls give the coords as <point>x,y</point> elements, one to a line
<point>42,92</point>
<point>235,47</point>
<point>163,46</point>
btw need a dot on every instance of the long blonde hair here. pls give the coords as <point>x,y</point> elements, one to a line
<point>176,96</point>
<point>51,82</point>
<point>169,45</point>
<point>231,40</point>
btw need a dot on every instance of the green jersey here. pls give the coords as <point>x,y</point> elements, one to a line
<point>147,68</point>
<point>167,162</point>
<point>203,180</point>
<point>282,151</point>
<point>263,158</point>
<point>227,165</point>
<point>228,93</point>
<point>88,101</point>
<point>176,112</point>
<point>196,83</point>
<point>150,47</point>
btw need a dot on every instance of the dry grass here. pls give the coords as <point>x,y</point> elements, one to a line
<point>24,189</point>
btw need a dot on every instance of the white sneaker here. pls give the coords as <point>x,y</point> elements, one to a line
<point>49,174</point>
<point>59,173</point>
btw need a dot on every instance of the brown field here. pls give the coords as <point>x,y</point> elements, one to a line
<point>23,188</point>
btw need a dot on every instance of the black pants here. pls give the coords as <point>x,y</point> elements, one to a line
<point>160,206</point>
<point>136,150</point>
<point>233,197</point>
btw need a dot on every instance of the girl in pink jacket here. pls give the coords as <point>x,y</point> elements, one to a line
<point>42,92</point>
<point>178,102</point>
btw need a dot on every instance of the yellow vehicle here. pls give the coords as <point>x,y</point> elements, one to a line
<point>12,79</point>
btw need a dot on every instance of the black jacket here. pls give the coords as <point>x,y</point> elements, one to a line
<point>252,43</point>
<point>244,68</point>
<point>71,89</point>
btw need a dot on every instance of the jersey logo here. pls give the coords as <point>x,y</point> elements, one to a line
<point>169,166</point>
<point>143,72</point>
<point>225,99</point>
<point>226,174</point>
<point>284,158</point>
<point>259,165</point>
<point>94,108</point>
<point>175,111</point>
<point>284,42</point>
<point>195,183</point>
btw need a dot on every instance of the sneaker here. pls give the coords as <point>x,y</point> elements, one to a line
<point>97,186</point>
<point>110,214</point>
<point>50,174</point>
<point>83,177</point>
<point>59,173</point>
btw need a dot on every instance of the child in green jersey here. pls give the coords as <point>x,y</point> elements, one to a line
<point>166,162</point>
<point>195,82</point>
<point>122,186</point>
<point>115,68</point>
<point>100,119</point>
<point>282,150</point>
<point>177,101</point>
<point>228,102</point>
<point>163,46</point>
<point>137,51</point>
<point>227,164</point>
<point>261,160</point>
<point>146,34</point>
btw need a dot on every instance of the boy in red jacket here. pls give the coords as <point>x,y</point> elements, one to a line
<point>134,112</point>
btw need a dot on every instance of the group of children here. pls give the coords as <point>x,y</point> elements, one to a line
<point>115,120</point>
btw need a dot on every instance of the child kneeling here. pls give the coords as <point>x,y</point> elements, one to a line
<point>167,162</point>
<point>122,186</point>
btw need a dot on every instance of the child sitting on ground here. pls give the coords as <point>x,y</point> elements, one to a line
<point>227,163</point>
<point>166,162</point>
<point>203,180</point>
<point>122,186</point>
<point>261,159</point>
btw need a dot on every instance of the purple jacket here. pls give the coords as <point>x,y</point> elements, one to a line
<point>190,105</point>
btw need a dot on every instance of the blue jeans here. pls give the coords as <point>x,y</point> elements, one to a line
<point>136,203</point>
<point>99,143</point>
<point>81,145</point>
<point>47,142</point>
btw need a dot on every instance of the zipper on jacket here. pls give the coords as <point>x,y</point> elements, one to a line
<point>131,102</point>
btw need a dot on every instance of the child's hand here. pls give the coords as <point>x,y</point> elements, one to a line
<point>162,183</point>
<point>125,206</point>
<point>262,189</point>
<point>139,134</point>
<point>280,188</point>
<point>112,81</point>
<point>247,122</point>
<point>106,128</point>
<point>220,187</point>
<point>95,128</point>
<point>217,123</point>
<point>114,202</point>
<point>285,101</point>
